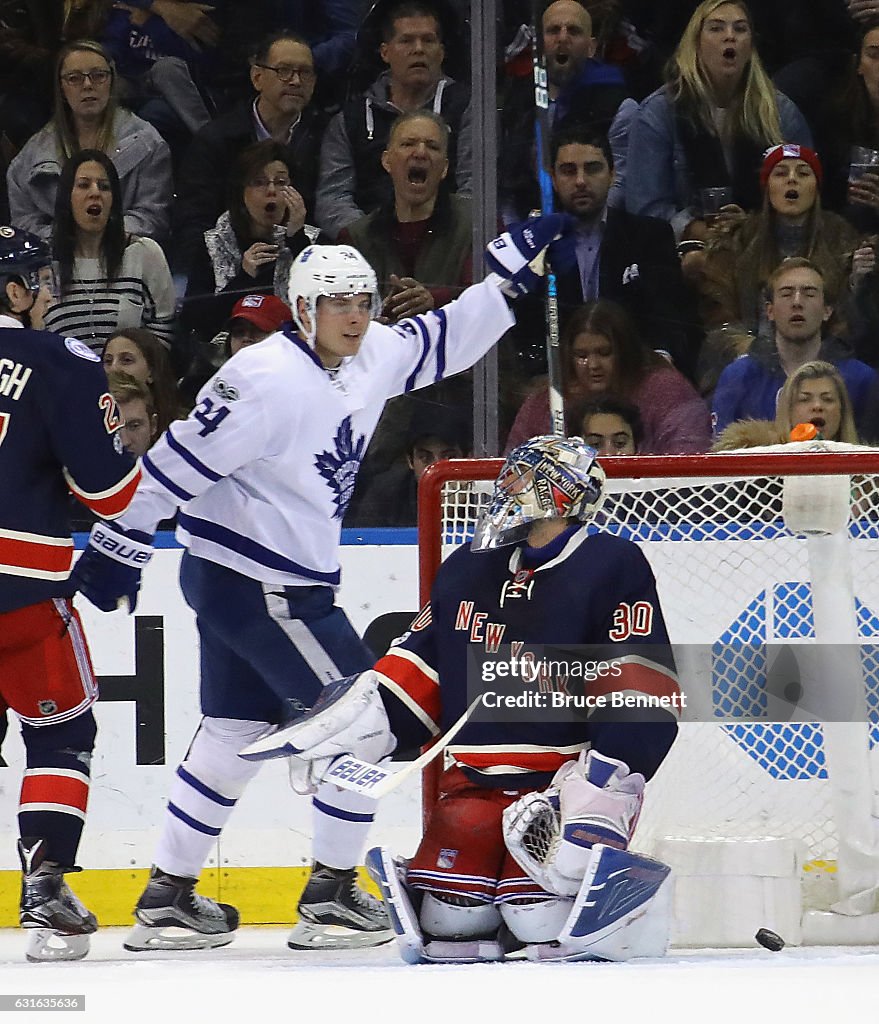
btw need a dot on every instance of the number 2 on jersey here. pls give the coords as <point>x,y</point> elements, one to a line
<point>112,419</point>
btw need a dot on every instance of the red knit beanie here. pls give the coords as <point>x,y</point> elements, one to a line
<point>789,151</point>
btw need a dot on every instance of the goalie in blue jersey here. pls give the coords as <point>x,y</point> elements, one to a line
<point>526,850</point>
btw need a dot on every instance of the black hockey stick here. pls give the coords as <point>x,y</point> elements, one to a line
<point>541,138</point>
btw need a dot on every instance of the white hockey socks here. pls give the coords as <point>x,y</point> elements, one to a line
<point>206,788</point>
<point>341,822</point>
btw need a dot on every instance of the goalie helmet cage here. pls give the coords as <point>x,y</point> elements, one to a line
<point>739,588</point>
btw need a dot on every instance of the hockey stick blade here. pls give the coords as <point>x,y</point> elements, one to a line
<point>349,772</point>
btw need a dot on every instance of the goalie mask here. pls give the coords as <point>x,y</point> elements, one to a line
<point>328,270</point>
<point>545,478</point>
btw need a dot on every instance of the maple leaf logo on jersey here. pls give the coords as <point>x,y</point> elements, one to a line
<point>339,468</point>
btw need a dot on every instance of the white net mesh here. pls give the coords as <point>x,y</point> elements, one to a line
<point>733,579</point>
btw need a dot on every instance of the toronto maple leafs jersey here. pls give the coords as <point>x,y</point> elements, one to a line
<point>264,467</point>
<point>586,588</point>
<point>58,433</point>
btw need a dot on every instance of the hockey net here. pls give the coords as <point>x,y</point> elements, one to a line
<point>733,578</point>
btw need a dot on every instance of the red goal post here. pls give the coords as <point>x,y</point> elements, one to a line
<point>750,555</point>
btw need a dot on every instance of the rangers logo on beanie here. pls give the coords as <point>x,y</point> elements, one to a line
<point>789,151</point>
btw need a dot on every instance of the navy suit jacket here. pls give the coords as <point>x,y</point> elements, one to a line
<point>640,270</point>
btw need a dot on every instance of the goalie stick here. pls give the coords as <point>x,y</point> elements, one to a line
<point>541,139</point>
<point>372,780</point>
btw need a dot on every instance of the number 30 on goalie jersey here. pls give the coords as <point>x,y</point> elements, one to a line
<point>632,620</point>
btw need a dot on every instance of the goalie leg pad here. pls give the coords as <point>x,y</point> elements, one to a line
<point>622,911</point>
<point>462,930</point>
<point>536,920</point>
<point>447,916</point>
<point>389,874</point>
<point>402,905</point>
<point>468,951</point>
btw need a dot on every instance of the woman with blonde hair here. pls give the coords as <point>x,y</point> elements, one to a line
<point>814,396</point>
<point>709,125</point>
<point>86,116</point>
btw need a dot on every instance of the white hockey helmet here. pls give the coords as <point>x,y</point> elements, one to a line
<point>546,477</point>
<point>328,270</point>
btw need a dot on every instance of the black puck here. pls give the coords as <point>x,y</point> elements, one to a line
<point>769,939</point>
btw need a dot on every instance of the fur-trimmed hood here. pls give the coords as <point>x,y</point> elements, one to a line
<point>748,434</point>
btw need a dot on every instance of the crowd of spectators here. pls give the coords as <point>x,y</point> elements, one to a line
<point>721,164</point>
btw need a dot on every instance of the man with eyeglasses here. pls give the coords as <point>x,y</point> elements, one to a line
<point>352,180</point>
<point>282,73</point>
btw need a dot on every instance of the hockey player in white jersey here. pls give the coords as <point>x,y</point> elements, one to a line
<point>262,472</point>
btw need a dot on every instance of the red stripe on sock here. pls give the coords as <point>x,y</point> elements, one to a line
<point>54,789</point>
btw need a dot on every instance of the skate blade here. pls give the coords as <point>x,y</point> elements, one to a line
<point>143,938</point>
<point>333,936</point>
<point>45,945</point>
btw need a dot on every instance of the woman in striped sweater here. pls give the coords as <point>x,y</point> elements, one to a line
<point>110,279</point>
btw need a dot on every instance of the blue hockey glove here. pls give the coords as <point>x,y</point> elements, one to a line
<point>517,256</point>
<point>108,571</point>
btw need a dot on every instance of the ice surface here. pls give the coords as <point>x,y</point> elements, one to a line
<point>258,979</point>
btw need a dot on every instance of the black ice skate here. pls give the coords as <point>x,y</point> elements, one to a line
<point>171,915</point>
<point>335,913</point>
<point>60,924</point>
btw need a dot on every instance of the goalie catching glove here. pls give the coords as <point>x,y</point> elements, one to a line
<point>348,718</point>
<point>516,258</point>
<point>108,571</point>
<point>592,800</point>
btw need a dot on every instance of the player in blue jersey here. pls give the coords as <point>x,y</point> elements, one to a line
<point>58,433</point>
<point>262,472</point>
<point>503,859</point>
